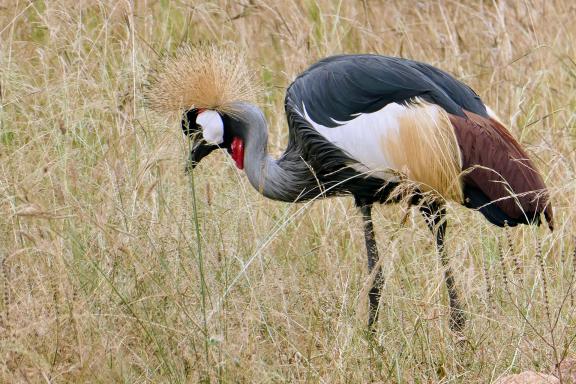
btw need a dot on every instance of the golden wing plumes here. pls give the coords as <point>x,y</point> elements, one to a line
<point>205,76</point>
<point>426,150</point>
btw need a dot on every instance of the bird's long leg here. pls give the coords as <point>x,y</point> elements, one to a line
<point>372,251</point>
<point>435,216</point>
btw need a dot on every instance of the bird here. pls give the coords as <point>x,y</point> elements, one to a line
<point>380,129</point>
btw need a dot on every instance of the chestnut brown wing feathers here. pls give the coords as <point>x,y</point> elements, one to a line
<point>495,164</point>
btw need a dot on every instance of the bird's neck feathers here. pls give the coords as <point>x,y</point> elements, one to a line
<point>285,179</point>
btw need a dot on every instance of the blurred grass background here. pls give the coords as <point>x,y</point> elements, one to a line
<point>116,266</point>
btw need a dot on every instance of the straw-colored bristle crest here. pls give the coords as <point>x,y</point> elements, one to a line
<point>205,76</point>
<point>427,150</point>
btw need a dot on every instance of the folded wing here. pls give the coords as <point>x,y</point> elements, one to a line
<point>392,117</point>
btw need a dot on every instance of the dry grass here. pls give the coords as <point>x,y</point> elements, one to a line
<point>118,267</point>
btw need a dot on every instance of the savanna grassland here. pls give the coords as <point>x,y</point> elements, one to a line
<point>117,266</point>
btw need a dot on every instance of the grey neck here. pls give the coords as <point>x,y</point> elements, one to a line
<point>286,179</point>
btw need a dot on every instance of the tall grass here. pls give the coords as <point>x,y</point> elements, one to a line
<point>115,267</point>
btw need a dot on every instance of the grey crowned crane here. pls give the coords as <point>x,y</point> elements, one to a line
<point>378,128</point>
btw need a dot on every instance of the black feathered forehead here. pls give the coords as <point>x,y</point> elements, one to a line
<point>189,126</point>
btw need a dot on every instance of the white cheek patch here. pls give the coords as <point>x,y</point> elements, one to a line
<point>212,126</point>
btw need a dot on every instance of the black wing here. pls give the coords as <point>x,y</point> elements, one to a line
<point>339,87</point>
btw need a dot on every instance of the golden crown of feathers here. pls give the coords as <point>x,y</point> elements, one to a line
<point>204,76</point>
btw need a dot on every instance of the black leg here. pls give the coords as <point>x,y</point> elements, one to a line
<point>372,250</point>
<point>435,216</point>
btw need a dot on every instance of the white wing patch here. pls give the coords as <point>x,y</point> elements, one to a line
<point>212,126</point>
<point>361,138</point>
<point>415,142</point>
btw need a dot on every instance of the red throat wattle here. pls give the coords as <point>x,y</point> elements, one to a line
<point>237,148</point>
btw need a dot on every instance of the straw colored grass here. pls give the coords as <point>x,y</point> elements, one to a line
<point>117,266</point>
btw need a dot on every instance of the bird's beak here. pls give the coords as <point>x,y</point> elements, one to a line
<point>200,149</point>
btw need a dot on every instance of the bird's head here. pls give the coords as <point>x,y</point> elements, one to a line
<point>213,85</point>
<point>210,130</point>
